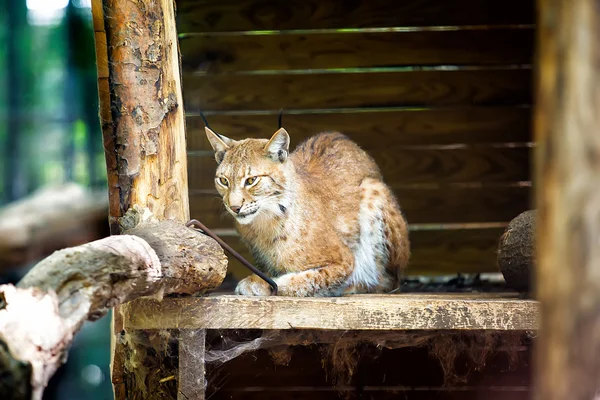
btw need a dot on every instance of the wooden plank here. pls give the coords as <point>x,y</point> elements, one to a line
<point>97,16</point>
<point>420,205</point>
<point>434,252</point>
<point>413,166</point>
<point>385,312</point>
<point>385,393</point>
<point>101,54</point>
<point>358,89</point>
<point>473,125</point>
<point>230,53</point>
<point>567,278</point>
<point>242,15</point>
<point>191,379</point>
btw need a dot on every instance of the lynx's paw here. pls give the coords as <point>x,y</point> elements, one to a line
<point>295,285</point>
<point>253,286</point>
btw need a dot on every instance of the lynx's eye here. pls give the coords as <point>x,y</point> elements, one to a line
<point>223,182</point>
<point>251,181</point>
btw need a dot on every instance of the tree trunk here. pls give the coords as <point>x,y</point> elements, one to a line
<point>567,120</point>
<point>142,114</point>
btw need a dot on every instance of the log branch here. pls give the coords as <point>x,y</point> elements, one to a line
<point>51,218</point>
<point>40,316</point>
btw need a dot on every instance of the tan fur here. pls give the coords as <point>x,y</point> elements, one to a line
<point>312,215</point>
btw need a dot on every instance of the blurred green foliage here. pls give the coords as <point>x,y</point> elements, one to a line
<point>49,127</point>
<point>50,133</point>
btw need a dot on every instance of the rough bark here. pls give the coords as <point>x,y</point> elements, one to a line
<point>143,127</point>
<point>40,316</point>
<point>568,200</point>
<point>144,135</point>
<point>516,252</point>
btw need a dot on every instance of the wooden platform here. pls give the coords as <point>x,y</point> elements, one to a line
<point>447,311</point>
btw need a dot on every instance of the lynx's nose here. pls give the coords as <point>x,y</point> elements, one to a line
<point>235,209</point>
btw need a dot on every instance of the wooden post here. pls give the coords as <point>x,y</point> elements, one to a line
<point>567,128</point>
<point>143,126</point>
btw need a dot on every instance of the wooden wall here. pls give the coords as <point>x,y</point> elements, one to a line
<point>438,91</point>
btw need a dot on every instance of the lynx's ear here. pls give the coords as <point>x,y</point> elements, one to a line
<point>219,143</point>
<point>278,146</point>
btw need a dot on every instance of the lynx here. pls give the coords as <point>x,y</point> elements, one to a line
<point>319,220</point>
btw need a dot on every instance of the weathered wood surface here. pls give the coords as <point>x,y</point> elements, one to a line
<point>241,15</point>
<point>229,53</point>
<point>50,219</point>
<point>376,393</point>
<point>82,283</point>
<point>144,140</point>
<point>387,88</point>
<point>434,252</point>
<point>568,201</point>
<point>414,166</point>
<point>420,205</point>
<point>369,312</point>
<point>191,380</point>
<point>397,127</point>
<point>143,125</point>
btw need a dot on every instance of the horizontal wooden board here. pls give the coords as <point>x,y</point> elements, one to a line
<point>230,53</point>
<point>401,167</point>
<point>370,312</point>
<point>336,89</point>
<point>434,252</point>
<point>472,125</point>
<point>445,205</point>
<point>381,393</point>
<point>243,15</point>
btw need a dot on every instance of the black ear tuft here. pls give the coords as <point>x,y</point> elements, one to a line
<point>281,155</point>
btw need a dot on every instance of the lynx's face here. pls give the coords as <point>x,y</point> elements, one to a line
<point>250,177</point>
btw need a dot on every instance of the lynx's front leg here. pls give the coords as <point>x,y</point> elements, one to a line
<point>327,280</point>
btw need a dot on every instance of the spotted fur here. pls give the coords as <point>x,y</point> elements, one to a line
<point>319,220</point>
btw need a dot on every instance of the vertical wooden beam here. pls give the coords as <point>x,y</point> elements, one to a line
<point>143,128</point>
<point>191,378</point>
<point>568,198</point>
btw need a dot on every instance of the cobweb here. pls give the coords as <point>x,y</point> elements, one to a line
<point>152,356</point>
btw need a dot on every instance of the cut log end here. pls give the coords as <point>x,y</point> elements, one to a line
<point>516,252</point>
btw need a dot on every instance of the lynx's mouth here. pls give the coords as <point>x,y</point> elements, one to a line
<point>246,214</point>
<point>246,217</point>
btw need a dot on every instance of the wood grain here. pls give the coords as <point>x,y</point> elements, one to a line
<point>230,53</point>
<point>144,140</point>
<point>353,89</point>
<point>567,281</point>
<point>402,167</point>
<point>145,143</point>
<point>242,15</point>
<point>434,252</point>
<point>472,125</point>
<point>101,54</point>
<point>387,312</point>
<point>386,393</point>
<point>190,356</point>
<point>420,205</point>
